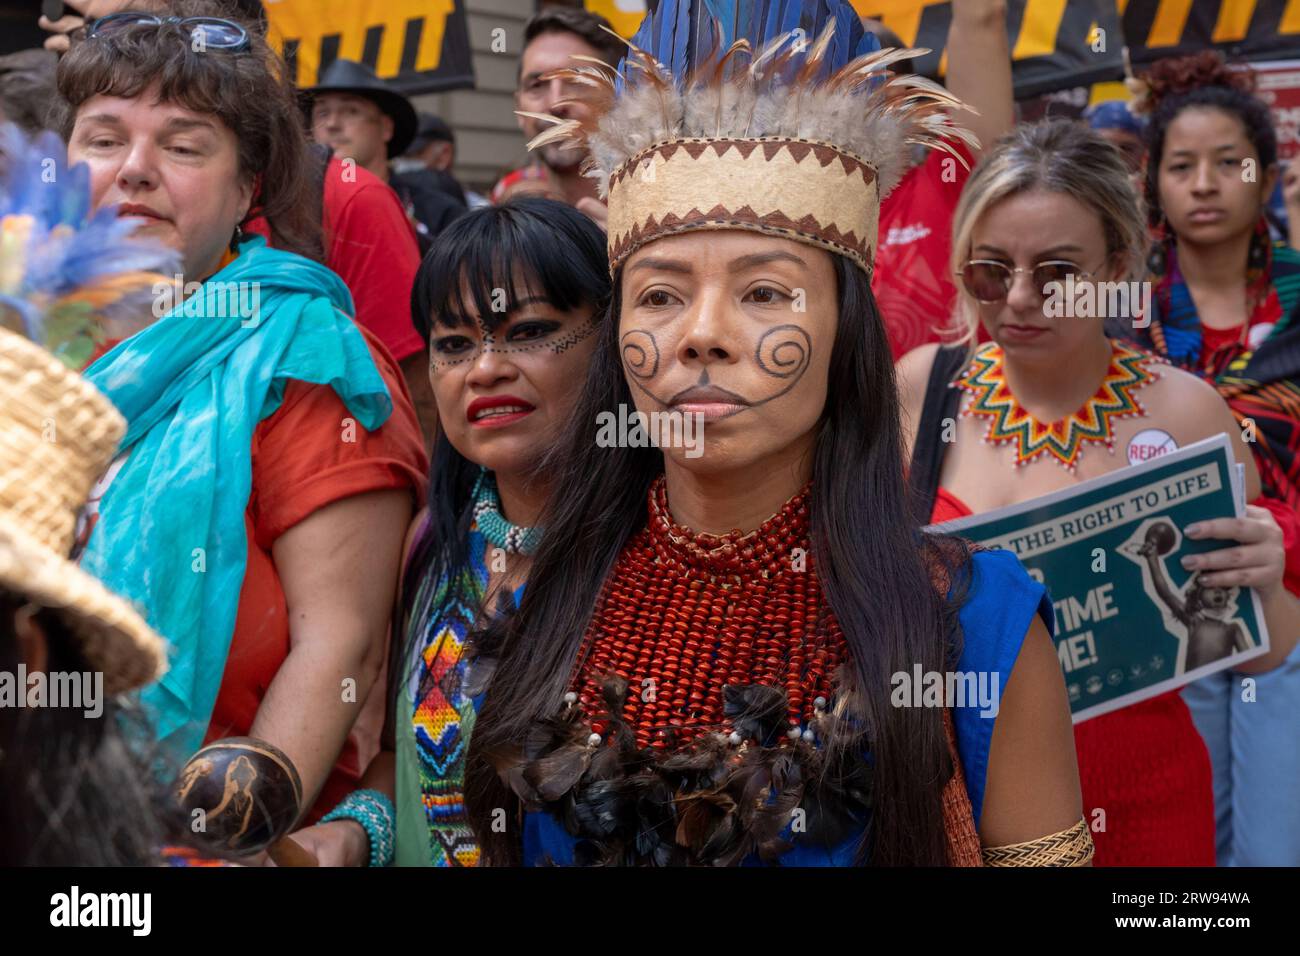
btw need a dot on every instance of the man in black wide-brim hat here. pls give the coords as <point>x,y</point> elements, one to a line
<point>359,117</point>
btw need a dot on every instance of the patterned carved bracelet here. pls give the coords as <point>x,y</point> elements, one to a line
<point>376,815</point>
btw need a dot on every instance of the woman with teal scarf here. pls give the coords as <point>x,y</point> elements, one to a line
<point>272,459</point>
<point>506,379</point>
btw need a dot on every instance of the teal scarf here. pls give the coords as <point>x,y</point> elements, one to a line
<point>193,386</point>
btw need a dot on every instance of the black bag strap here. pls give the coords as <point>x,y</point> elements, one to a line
<point>928,448</point>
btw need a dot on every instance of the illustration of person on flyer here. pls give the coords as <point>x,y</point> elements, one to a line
<point>1200,615</point>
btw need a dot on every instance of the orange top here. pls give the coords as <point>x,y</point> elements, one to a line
<point>299,466</point>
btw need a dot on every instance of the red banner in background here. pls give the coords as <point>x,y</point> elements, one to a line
<point>1279,87</point>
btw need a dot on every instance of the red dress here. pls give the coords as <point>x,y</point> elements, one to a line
<point>1146,766</point>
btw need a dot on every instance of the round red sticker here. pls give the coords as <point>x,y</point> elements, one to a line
<point>1150,443</point>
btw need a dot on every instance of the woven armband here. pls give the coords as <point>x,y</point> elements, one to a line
<point>1071,847</point>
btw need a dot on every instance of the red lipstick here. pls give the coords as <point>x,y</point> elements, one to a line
<point>497,411</point>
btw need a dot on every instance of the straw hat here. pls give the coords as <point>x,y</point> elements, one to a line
<point>58,434</point>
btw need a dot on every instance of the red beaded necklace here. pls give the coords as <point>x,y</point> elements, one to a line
<point>685,614</point>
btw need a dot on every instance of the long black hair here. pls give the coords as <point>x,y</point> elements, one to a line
<point>1202,79</point>
<point>560,254</point>
<point>77,790</point>
<point>872,562</point>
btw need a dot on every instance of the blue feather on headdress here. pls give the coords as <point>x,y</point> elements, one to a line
<point>63,268</point>
<point>769,69</point>
<point>683,34</point>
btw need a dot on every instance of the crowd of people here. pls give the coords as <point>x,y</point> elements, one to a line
<point>342,502</point>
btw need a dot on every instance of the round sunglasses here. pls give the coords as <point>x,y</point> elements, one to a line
<point>213,32</point>
<point>989,280</point>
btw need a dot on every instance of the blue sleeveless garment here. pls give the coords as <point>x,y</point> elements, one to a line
<point>999,609</point>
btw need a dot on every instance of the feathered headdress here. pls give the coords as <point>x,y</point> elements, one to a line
<point>64,271</point>
<point>778,116</point>
<point>60,269</point>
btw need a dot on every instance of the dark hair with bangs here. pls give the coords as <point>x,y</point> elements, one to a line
<point>250,91</point>
<point>559,250</point>
<point>559,253</point>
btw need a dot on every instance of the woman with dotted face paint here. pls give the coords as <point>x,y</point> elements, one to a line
<point>510,300</point>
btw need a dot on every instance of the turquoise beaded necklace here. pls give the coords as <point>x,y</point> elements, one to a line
<point>499,532</point>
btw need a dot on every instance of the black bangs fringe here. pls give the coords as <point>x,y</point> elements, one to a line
<point>524,246</point>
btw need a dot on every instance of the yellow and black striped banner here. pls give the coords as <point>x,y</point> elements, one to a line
<point>419,46</point>
<point>1243,29</point>
<point>1056,44</point>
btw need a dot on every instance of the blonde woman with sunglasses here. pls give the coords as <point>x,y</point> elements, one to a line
<point>1046,240</point>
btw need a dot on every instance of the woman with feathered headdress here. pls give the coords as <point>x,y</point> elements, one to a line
<point>720,654</point>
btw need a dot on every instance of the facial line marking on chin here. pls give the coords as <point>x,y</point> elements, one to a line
<point>636,377</point>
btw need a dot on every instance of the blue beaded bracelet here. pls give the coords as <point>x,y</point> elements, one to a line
<point>376,815</point>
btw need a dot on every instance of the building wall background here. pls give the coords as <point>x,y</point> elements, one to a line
<point>488,140</point>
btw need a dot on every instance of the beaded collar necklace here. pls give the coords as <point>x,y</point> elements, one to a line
<point>511,538</point>
<point>764,550</point>
<point>1009,421</point>
<point>686,614</point>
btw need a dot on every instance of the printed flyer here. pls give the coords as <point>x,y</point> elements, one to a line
<point>1131,623</point>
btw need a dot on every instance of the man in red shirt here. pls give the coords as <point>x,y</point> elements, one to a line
<point>370,243</point>
<point>911,280</point>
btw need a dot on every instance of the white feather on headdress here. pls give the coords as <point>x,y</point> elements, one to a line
<point>862,108</point>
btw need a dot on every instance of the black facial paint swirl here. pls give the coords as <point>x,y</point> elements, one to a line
<point>784,351</point>
<point>640,350</point>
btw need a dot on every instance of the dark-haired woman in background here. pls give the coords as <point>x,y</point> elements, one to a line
<point>1226,302</point>
<point>509,298</point>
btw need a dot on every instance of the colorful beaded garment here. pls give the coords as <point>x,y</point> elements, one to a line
<point>1063,440</point>
<point>443,715</point>
<point>511,538</point>
<point>684,614</point>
